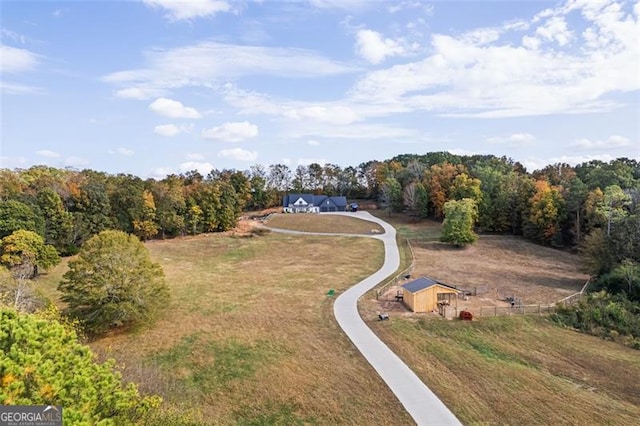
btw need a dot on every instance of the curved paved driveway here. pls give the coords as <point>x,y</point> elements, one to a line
<point>421,403</point>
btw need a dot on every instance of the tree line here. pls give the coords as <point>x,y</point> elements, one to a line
<point>592,206</point>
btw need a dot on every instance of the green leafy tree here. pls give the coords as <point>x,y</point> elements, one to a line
<point>194,218</point>
<point>113,283</point>
<point>90,206</point>
<point>421,201</point>
<point>466,187</point>
<point>15,215</point>
<point>229,207</point>
<point>576,198</point>
<point>24,252</point>
<point>494,212</point>
<point>42,363</point>
<point>459,220</point>
<point>170,205</point>
<point>58,222</point>
<point>613,206</point>
<point>126,200</point>
<point>626,278</point>
<point>392,194</point>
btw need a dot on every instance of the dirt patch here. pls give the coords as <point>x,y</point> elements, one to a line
<point>498,268</point>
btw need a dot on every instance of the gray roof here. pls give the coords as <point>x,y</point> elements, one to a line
<point>315,200</point>
<point>422,283</point>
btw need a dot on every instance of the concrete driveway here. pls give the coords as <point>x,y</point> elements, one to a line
<point>421,403</point>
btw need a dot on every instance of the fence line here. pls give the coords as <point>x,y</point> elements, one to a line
<point>575,297</point>
<point>494,311</point>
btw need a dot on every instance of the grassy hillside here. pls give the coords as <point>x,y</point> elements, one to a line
<point>519,370</point>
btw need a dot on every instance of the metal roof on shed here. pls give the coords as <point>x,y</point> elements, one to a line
<point>422,283</point>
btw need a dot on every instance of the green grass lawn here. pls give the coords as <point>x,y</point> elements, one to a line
<point>324,223</point>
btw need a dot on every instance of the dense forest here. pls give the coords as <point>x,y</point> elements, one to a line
<point>593,207</point>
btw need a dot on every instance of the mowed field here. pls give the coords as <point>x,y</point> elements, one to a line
<point>519,370</point>
<point>249,336</point>
<point>326,223</point>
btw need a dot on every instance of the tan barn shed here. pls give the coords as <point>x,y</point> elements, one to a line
<point>425,295</point>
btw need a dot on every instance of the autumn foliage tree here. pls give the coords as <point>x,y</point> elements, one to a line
<point>547,210</point>
<point>113,283</point>
<point>24,252</point>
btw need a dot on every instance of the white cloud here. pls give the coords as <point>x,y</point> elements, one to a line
<point>611,142</point>
<point>16,60</point>
<point>194,157</point>
<point>16,37</point>
<point>137,93</point>
<point>167,130</point>
<point>48,154</point>
<point>364,132</point>
<point>371,46</point>
<point>231,132</point>
<point>204,168</point>
<point>207,63</point>
<point>328,114</point>
<point>534,163</point>
<point>515,139</point>
<point>307,161</point>
<point>354,5</point>
<point>189,9</point>
<point>238,154</point>
<point>125,151</point>
<point>313,142</point>
<point>76,162</point>
<point>161,172</point>
<point>481,36</point>
<point>398,6</point>
<point>286,161</point>
<point>555,29</point>
<point>173,109</point>
<point>13,162</point>
<point>477,75</point>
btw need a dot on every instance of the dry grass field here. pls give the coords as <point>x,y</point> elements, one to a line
<point>512,370</point>
<point>519,370</point>
<point>325,223</point>
<point>250,338</point>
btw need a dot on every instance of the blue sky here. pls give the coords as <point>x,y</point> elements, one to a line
<point>156,87</point>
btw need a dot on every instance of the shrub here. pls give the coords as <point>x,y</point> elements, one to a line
<point>609,316</point>
<point>113,284</point>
